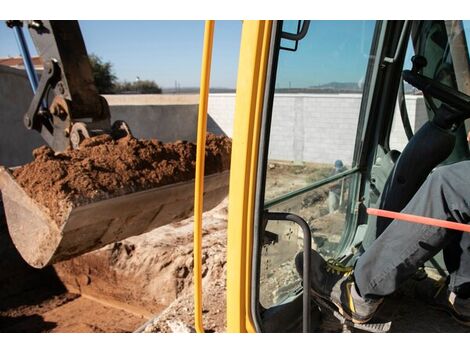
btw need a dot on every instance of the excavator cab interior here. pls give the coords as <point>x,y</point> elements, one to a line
<point>363,136</point>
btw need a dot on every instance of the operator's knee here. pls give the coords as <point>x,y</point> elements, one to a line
<point>440,173</point>
<point>440,177</point>
<point>450,185</point>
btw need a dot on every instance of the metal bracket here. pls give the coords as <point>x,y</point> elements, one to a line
<point>49,78</point>
<point>400,45</point>
<point>306,259</point>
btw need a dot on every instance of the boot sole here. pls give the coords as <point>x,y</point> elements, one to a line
<point>339,308</point>
<point>451,312</point>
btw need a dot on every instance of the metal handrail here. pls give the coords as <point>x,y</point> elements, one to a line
<point>400,46</point>
<point>310,187</point>
<point>306,305</point>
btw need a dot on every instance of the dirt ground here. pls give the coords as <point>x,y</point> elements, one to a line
<point>36,300</point>
<point>283,177</point>
<point>119,287</point>
<point>157,267</point>
<point>69,312</point>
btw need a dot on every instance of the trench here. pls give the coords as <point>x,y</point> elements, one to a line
<point>117,288</point>
<point>41,300</point>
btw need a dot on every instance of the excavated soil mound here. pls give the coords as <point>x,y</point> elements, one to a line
<point>154,273</point>
<point>103,168</point>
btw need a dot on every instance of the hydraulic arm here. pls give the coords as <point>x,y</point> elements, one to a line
<point>66,107</point>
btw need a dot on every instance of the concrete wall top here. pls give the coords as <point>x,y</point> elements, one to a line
<point>12,71</point>
<point>191,99</point>
<point>313,95</point>
<point>152,99</point>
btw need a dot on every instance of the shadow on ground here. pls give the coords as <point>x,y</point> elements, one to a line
<point>22,287</point>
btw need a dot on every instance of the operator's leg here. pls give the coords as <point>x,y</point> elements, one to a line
<point>404,246</point>
<point>457,259</point>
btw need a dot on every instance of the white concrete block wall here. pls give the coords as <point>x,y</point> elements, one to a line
<point>315,127</point>
<point>306,127</point>
<point>221,109</point>
<point>417,115</point>
<point>16,141</point>
<point>398,137</point>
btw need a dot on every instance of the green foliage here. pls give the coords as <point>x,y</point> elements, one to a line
<point>138,87</point>
<point>106,82</point>
<point>105,79</point>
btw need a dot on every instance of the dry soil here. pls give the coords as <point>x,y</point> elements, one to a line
<point>104,168</point>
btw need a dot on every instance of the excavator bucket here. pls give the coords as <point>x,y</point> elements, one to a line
<point>41,241</point>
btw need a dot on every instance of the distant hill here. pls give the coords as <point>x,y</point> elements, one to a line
<point>337,88</point>
<point>195,90</point>
<point>327,88</point>
<point>331,87</point>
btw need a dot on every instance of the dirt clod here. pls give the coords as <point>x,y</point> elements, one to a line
<point>104,168</point>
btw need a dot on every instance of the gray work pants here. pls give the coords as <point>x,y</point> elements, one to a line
<point>403,246</point>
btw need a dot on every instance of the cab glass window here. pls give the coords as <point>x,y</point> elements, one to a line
<point>318,93</point>
<point>444,45</point>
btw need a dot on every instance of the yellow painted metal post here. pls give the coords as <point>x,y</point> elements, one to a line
<point>248,106</point>
<point>199,178</point>
<point>254,167</point>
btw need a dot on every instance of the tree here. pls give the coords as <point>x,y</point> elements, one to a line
<point>138,87</point>
<point>147,87</point>
<point>103,74</point>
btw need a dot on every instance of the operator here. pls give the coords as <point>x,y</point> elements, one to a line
<point>402,248</point>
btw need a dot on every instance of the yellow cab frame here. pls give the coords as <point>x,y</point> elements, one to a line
<point>259,50</point>
<point>255,43</point>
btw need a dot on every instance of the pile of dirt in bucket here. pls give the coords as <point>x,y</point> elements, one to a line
<point>103,168</point>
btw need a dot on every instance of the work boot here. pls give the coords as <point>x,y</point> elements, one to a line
<point>460,308</point>
<point>334,283</point>
<point>439,297</point>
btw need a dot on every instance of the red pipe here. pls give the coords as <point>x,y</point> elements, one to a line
<point>419,219</point>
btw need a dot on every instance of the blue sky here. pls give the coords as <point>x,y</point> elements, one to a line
<point>165,51</point>
<point>332,51</point>
<point>169,51</point>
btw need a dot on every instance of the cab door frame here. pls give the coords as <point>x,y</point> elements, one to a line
<point>254,49</point>
<point>375,69</point>
<point>255,92</point>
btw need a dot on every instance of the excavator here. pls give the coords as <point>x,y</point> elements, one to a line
<point>409,76</point>
<point>67,109</point>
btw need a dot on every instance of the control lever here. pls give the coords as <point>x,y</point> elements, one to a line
<point>419,62</point>
<point>455,106</point>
